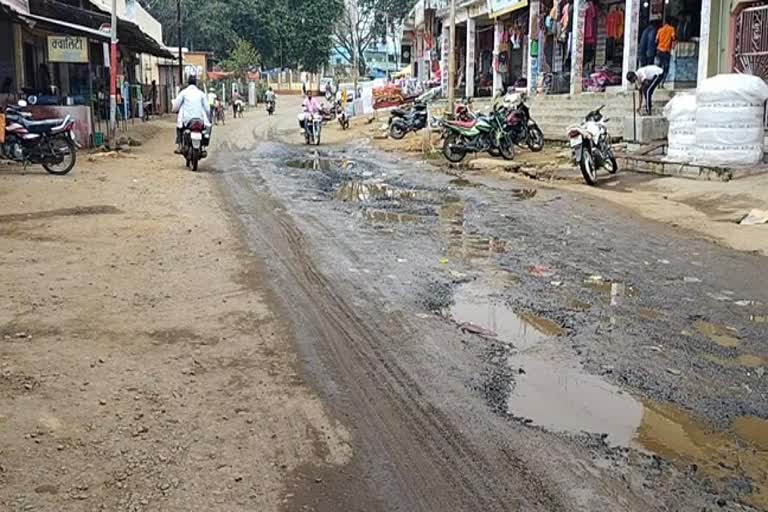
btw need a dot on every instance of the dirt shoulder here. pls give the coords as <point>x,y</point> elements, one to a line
<point>141,367</point>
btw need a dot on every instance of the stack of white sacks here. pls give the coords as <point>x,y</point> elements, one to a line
<point>723,126</point>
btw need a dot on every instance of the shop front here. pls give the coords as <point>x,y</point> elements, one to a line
<point>512,43</point>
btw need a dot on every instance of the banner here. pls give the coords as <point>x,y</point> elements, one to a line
<point>67,49</point>
<point>498,7</point>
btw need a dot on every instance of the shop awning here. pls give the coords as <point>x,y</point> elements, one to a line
<point>129,34</point>
<point>406,71</point>
<point>63,27</point>
<point>502,7</point>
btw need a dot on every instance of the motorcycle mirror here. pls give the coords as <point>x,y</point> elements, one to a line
<point>22,103</point>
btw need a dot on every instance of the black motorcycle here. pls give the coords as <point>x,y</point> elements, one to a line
<point>270,107</point>
<point>402,121</point>
<point>194,140</point>
<point>522,129</point>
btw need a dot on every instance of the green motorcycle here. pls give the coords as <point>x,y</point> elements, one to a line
<point>486,133</point>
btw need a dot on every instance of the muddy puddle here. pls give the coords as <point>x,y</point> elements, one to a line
<point>720,334</point>
<point>463,244</point>
<point>736,458</point>
<point>740,361</point>
<point>361,191</point>
<point>390,217</point>
<point>550,389</point>
<point>473,304</point>
<point>318,163</point>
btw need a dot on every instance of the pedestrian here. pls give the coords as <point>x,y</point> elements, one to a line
<point>665,40</point>
<point>153,97</point>
<point>646,79</point>
<point>648,44</point>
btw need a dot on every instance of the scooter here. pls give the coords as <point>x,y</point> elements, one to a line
<point>591,146</point>
<point>50,142</point>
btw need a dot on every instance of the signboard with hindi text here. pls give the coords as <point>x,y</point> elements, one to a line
<point>498,8</point>
<point>67,49</point>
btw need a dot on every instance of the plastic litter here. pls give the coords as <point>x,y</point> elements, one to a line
<point>755,217</point>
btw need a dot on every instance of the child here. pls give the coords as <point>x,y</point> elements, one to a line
<point>665,39</point>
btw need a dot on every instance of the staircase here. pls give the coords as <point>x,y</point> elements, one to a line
<point>556,112</point>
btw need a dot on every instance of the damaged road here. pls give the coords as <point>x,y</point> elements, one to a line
<point>498,348</point>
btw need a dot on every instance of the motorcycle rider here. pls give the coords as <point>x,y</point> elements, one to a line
<point>310,106</point>
<point>191,103</point>
<point>270,97</point>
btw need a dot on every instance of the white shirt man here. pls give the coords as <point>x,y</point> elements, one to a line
<point>191,103</point>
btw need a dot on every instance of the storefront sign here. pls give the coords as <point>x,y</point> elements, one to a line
<point>500,7</point>
<point>67,49</point>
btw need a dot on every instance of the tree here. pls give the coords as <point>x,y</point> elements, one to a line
<point>288,33</point>
<point>363,22</point>
<point>242,59</point>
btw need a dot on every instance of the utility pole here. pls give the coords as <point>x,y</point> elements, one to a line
<point>113,75</point>
<point>181,56</point>
<point>355,49</point>
<point>452,61</point>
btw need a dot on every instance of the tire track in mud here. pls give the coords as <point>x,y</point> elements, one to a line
<point>425,462</point>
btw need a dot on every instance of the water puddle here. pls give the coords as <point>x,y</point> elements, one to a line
<point>720,334</point>
<point>557,394</point>
<point>462,244</point>
<point>317,163</point>
<point>612,292</point>
<point>740,454</point>
<point>473,304</point>
<point>741,361</point>
<point>759,319</point>
<point>360,191</point>
<point>648,313</point>
<point>388,217</point>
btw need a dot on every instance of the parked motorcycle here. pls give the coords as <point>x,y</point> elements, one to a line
<point>591,146</point>
<point>402,122</point>
<point>193,143</point>
<point>312,125</point>
<point>50,142</point>
<point>521,128</point>
<point>485,133</point>
<point>270,107</point>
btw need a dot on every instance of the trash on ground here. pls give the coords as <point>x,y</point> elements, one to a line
<point>755,217</point>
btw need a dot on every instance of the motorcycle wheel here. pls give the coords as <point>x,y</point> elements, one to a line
<point>507,149</point>
<point>195,158</point>
<point>450,152</point>
<point>610,164</point>
<point>535,139</point>
<point>397,131</point>
<point>494,152</point>
<point>588,169</point>
<point>68,151</point>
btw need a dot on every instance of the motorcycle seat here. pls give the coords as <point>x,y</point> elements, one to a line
<point>42,126</point>
<point>463,124</point>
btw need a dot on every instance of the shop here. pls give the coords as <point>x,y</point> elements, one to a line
<point>512,23</point>
<point>603,44</point>
<point>551,46</point>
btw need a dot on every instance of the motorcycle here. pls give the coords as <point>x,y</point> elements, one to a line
<point>238,108</point>
<point>485,133</point>
<point>193,143</point>
<point>401,121</point>
<point>522,129</point>
<point>341,115</point>
<point>312,125</point>
<point>50,142</point>
<point>591,146</point>
<point>218,113</point>
<point>270,107</point>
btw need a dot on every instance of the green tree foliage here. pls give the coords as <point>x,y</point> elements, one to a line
<point>288,33</point>
<point>242,59</point>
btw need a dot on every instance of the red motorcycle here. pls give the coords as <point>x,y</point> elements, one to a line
<point>49,142</point>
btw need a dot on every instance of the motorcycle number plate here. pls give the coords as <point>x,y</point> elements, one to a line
<point>2,128</point>
<point>196,136</point>
<point>575,141</point>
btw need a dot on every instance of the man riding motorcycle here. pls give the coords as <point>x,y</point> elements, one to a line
<point>191,103</point>
<point>310,106</point>
<point>270,97</point>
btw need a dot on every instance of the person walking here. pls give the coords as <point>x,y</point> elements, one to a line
<point>646,79</point>
<point>665,40</point>
<point>648,44</point>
